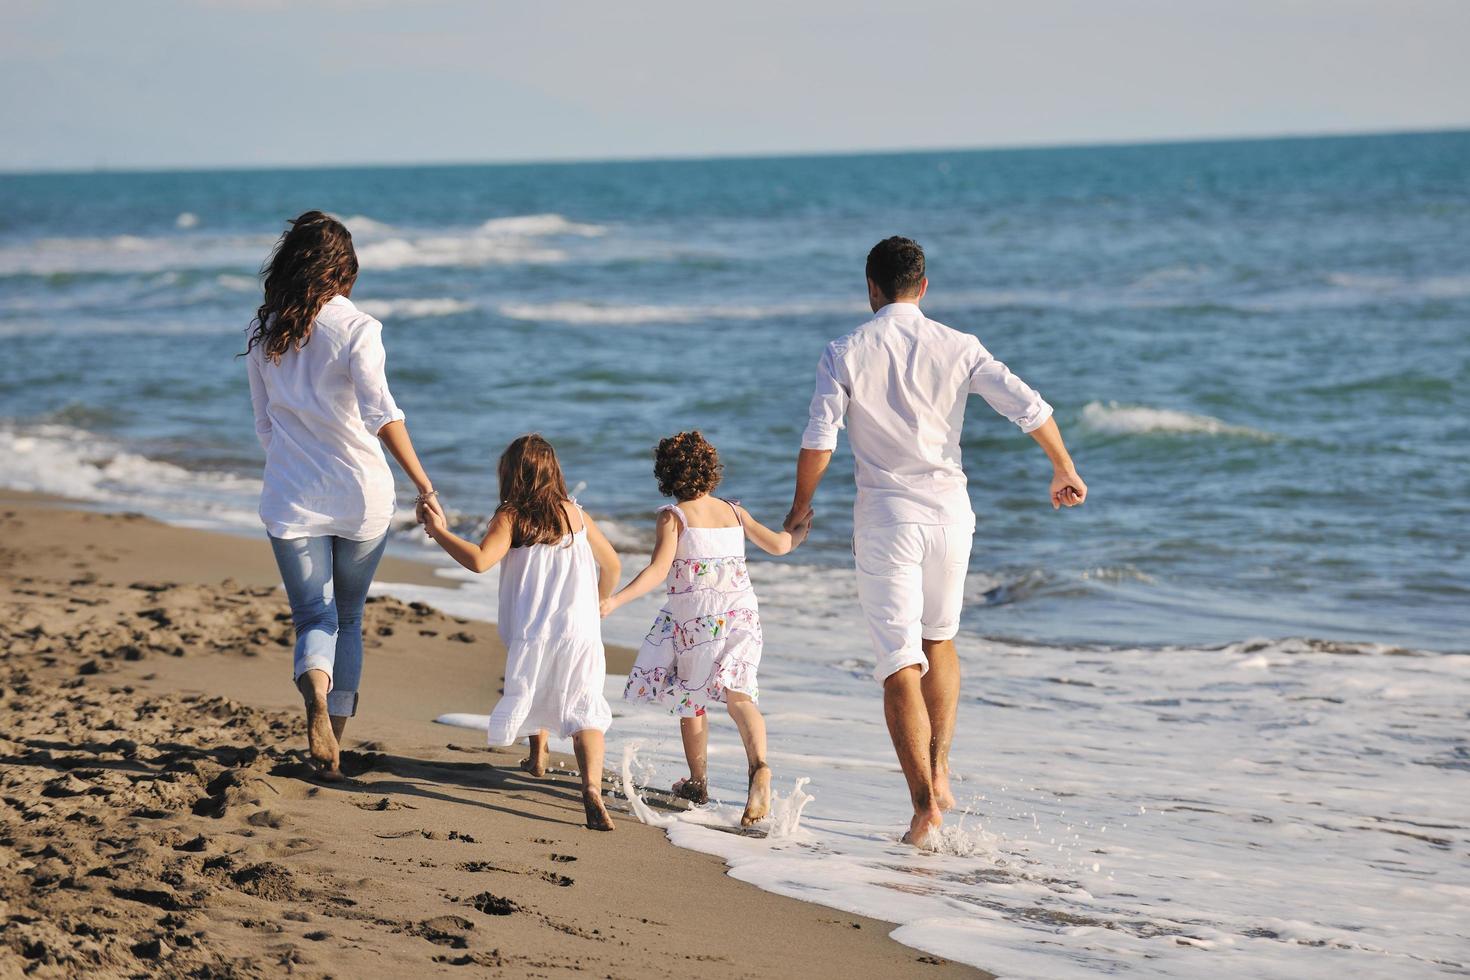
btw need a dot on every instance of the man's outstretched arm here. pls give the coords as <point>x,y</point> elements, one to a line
<point>811,464</point>
<point>1067,488</point>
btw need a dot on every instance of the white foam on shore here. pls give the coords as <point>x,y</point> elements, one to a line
<point>68,462</point>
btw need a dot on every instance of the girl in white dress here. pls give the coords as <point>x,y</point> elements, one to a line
<point>705,645</point>
<point>557,567</point>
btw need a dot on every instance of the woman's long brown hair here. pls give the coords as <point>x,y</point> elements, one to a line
<point>313,261</point>
<point>532,491</point>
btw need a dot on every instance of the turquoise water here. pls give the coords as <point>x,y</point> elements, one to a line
<point>1258,350</point>
<point>1189,743</point>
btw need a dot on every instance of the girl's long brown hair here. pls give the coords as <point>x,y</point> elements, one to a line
<point>532,491</point>
<point>313,261</point>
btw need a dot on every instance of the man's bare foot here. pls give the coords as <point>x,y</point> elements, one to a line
<point>597,818</point>
<point>922,826</point>
<point>696,791</point>
<point>758,798</point>
<point>943,797</point>
<point>321,743</point>
<point>535,763</point>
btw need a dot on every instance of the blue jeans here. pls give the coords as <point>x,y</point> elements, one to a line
<point>327,581</point>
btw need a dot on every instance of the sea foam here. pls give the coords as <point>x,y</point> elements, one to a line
<point>414,308</point>
<point>1115,419</point>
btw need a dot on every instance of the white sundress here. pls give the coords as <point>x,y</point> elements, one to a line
<point>555,665</point>
<point>706,639</point>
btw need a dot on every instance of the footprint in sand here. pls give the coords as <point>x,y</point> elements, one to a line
<point>266,818</point>
<point>492,904</point>
<point>551,877</point>
<point>382,805</point>
<point>444,930</point>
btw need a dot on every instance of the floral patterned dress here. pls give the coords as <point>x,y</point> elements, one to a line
<point>706,639</point>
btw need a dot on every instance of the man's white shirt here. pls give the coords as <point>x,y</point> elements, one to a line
<point>899,383</point>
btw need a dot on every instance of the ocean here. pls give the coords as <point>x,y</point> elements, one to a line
<point>1213,722</point>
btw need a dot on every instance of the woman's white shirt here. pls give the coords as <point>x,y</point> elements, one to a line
<point>317,414</point>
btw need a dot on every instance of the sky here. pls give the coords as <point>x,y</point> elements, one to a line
<point>226,83</point>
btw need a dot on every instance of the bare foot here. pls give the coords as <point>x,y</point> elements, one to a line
<point>321,743</point>
<point>535,763</point>
<point>696,791</point>
<point>758,799</point>
<point>923,824</point>
<point>943,798</point>
<point>597,818</point>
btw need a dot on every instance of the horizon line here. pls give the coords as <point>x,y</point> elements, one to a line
<point>718,156</point>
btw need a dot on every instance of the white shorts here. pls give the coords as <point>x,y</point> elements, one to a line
<point>911,584</point>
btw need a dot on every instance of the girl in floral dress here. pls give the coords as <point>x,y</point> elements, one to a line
<point>705,644</point>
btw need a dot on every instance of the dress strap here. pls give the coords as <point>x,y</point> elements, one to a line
<point>733,506</point>
<point>580,515</point>
<point>674,508</point>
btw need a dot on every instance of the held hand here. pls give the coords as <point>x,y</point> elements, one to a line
<point>1067,490</point>
<point>607,606</point>
<point>800,532</point>
<point>434,522</point>
<point>427,507</point>
<point>795,519</point>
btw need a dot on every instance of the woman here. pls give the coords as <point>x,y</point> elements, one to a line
<point>323,413</point>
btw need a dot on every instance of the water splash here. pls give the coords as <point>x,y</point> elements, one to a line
<point>785,818</point>
<point>640,809</point>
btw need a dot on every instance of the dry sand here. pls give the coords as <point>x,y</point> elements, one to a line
<point>156,817</point>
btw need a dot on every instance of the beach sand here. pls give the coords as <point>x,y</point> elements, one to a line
<point>156,818</point>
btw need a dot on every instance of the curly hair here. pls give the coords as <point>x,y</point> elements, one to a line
<point>313,261</point>
<point>686,466</point>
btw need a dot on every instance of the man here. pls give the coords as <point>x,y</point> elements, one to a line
<point>899,383</point>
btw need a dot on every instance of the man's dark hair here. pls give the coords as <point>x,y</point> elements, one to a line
<point>896,266</point>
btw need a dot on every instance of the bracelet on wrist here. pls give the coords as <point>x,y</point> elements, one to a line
<point>425,496</point>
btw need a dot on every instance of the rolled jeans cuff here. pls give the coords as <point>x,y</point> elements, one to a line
<point>314,661</point>
<point>342,704</point>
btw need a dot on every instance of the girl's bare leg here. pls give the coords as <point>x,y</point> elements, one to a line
<point>589,748</point>
<point>752,727</point>
<point>695,733</point>
<point>535,763</point>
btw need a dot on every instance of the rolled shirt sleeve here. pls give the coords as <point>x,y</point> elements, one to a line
<point>367,362</point>
<point>1006,393</point>
<point>829,405</point>
<point>260,401</point>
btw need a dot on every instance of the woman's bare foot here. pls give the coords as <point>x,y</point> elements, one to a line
<point>925,822</point>
<point>758,799</point>
<point>696,791</point>
<point>321,743</point>
<point>597,818</point>
<point>943,797</point>
<point>535,763</point>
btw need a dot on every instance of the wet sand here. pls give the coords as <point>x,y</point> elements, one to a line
<point>157,817</point>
